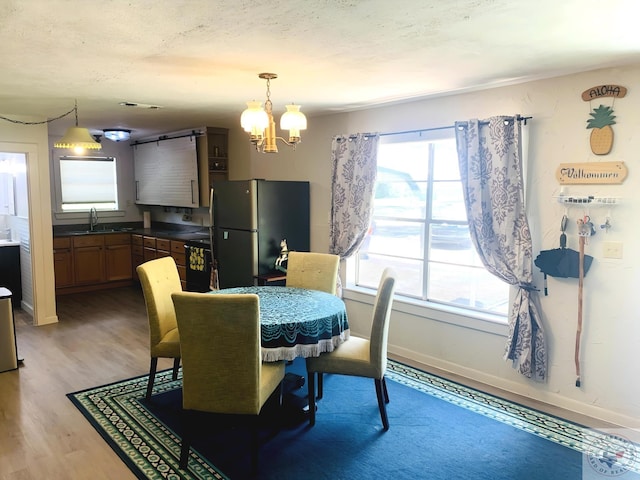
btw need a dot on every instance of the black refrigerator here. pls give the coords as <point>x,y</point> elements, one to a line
<point>250,218</point>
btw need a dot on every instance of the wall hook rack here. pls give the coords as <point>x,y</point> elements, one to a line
<point>588,200</point>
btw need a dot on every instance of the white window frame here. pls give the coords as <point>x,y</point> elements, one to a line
<point>103,182</point>
<point>448,313</point>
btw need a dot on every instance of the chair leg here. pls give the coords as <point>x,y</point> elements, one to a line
<point>255,448</point>
<point>176,367</point>
<point>152,377</point>
<point>384,389</point>
<point>188,425</point>
<point>381,402</point>
<point>320,383</point>
<point>311,397</point>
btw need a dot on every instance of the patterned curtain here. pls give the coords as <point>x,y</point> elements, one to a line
<point>490,159</point>
<point>354,160</point>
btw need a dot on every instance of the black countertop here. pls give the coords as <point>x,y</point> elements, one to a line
<point>184,233</point>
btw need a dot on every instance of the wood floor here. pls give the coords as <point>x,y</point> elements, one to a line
<point>101,337</point>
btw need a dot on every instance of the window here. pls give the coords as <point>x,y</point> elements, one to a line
<point>419,227</point>
<point>87,182</point>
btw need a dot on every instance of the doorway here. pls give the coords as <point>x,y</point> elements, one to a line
<point>14,219</point>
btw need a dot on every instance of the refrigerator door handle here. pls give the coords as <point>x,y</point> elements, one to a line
<point>211,222</point>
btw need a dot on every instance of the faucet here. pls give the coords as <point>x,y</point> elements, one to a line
<point>93,218</point>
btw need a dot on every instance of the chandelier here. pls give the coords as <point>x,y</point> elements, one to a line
<point>259,123</point>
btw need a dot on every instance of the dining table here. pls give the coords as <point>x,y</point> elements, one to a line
<point>297,322</point>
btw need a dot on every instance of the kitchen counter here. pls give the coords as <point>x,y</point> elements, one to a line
<point>9,243</point>
<point>168,231</point>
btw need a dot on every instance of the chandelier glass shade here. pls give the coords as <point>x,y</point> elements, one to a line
<point>258,122</point>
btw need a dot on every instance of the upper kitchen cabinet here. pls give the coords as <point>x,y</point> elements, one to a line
<point>213,160</point>
<point>176,170</point>
<point>166,172</point>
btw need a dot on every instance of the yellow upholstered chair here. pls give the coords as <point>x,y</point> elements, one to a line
<point>358,356</point>
<point>222,369</point>
<point>315,271</point>
<point>159,279</point>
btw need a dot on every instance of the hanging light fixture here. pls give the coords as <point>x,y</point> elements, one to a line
<point>117,135</point>
<point>259,123</point>
<point>77,137</point>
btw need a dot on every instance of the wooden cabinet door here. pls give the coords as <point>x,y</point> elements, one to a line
<point>118,262</point>
<point>89,264</point>
<point>177,252</point>
<point>63,267</point>
<point>63,262</point>
<point>88,259</point>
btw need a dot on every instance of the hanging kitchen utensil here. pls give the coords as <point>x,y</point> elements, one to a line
<point>562,262</point>
<point>585,229</point>
<point>579,329</point>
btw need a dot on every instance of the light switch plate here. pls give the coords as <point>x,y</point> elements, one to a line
<point>612,249</point>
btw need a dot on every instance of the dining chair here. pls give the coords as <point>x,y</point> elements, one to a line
<point>359,356</point>
<point>222,369</point>
<point>315,271</point>
<point>159,279</point>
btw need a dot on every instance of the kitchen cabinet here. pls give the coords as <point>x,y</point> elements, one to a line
<point>88,256</point>
<point>213,159</point>
<point>92,262</point>
<point>166,172</point>
<point>177,170</point>
<point>10,275</point>
<point>153,247</point>
<point>149,248</point>
<point>118,257</point>
<point>63,261</point>
<point>137,253</point>
<point>177,252</point>
<point>163,247</point>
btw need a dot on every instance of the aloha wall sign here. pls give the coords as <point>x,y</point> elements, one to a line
<point>601,141</point>
<point>602,117</point>
<point>591,173</point>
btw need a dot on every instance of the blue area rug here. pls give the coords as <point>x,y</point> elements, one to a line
<point>439,430</point>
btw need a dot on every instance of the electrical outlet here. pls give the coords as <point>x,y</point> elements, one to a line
<point>612,250</point>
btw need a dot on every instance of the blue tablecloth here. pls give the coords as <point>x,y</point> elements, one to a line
<point>296,322</point>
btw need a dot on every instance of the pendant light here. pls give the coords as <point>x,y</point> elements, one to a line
<point>77,137</point>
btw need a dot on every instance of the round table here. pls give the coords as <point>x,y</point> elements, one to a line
<point>297,322</point>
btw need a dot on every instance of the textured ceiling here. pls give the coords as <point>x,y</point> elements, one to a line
<point>199,59</point>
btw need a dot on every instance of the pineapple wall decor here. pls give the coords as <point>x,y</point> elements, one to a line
<point>601,138</point>
<point>601,142</point>
<point>602,117</point>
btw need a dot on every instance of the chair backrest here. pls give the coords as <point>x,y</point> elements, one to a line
<point>380,323</point>
<point>316,271</point>
<point>159,279</point>
<point>220,350</point>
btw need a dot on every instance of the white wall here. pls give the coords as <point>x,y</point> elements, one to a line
<point>611,337</point>
<point>32,139</point>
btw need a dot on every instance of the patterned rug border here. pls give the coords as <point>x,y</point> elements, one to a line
<point>585,440</point>
<point>151,450</point>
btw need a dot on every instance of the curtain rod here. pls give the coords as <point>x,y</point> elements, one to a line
<point>519,119</point>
